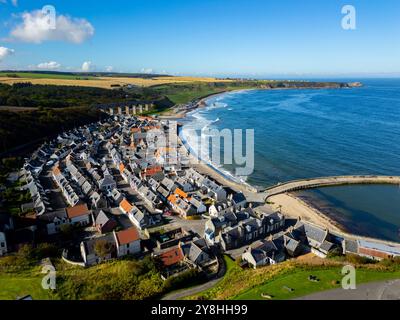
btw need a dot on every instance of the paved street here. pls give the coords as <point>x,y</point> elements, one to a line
<point>386,290</point>
<point>195,290</point>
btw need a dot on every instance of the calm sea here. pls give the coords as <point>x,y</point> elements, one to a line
<point>311,133</point>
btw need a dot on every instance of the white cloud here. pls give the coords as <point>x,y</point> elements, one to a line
<point>5,52</point>
<point>146,70</point>
<point>109,68</point>
<point>35,28</point>
<point>51,65</point>
<point>87,66</point>
<point>14,2</point>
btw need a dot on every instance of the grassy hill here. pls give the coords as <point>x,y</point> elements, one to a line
<point>250,284</point>
<point>124,279</point>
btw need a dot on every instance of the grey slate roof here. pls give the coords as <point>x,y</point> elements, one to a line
<point>102,218</point>
<point>351,246</point>
<point>50,216</point>
<point>311,232</point>
<point>326,246</point>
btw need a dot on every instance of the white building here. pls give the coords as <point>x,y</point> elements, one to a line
<point>127,242</point>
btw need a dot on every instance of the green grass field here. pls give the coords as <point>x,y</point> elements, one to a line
<point>13,286</point>
<point>187,96</point>
<point>276,281</point>
<point>34,75</point>
<point>302,286</point>
<point>184,93</point>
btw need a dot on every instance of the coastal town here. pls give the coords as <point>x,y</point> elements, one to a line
<point>126,186</point>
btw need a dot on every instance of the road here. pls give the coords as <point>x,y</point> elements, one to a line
<point>385,290</point>
<point>200,288</point>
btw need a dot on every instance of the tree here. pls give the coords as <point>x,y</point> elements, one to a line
<point>67,231</point>
<point>103,248</point>
<point>26,254</point>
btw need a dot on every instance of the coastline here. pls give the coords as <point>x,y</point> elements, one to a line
<point>211,171</point>
<point>175,113</point>
<point>290,205</point>
<point>296,208</point>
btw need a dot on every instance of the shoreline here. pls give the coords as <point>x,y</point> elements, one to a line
<point>208,169</point>
<point>291,206</point>
<point>176,114</point>
<point>295,208</point>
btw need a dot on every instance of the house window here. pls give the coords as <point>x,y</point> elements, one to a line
<point>2,244</point>
<point>127,245</point>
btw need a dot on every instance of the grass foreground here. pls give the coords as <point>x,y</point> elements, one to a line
<point>290,279</point>
<point>14,286</point>
<point>124,279</point>
<point>139,280</point>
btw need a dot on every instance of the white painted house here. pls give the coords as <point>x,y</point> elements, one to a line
<point>127,242</point>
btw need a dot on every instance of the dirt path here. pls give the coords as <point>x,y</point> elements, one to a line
<point>200,288</point>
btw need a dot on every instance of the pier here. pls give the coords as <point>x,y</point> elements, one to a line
<point>327,182</point>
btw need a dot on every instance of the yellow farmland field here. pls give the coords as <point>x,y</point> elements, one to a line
<point>108,82</point>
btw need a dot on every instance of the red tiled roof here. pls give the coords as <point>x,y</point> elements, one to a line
<point>127,236</point>
<point>56,170</point>
<point>77,211</point>
<point>181,193</point>
<point>172,256</point>
<point>172,198</point>
<point>152,171</point>
<point>125,206</point>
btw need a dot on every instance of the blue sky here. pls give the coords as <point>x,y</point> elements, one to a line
<point>207,37</point>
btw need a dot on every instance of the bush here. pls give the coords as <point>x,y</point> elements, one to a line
<point>46,250</point>
<point>26,254</point>
<point>103,248</point>
<point>67,231</point>
<point>185,279</point>
<point>390,262</point>
<point>335,253</point>
<point>9,263</point>
<point>125,279</point>
<point>356,259</point>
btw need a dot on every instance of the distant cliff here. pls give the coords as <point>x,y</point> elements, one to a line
<point>308,85</point>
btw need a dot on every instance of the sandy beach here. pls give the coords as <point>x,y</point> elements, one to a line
<point>213,173</point>
<point>176,113</point>
<point>294,207</point>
